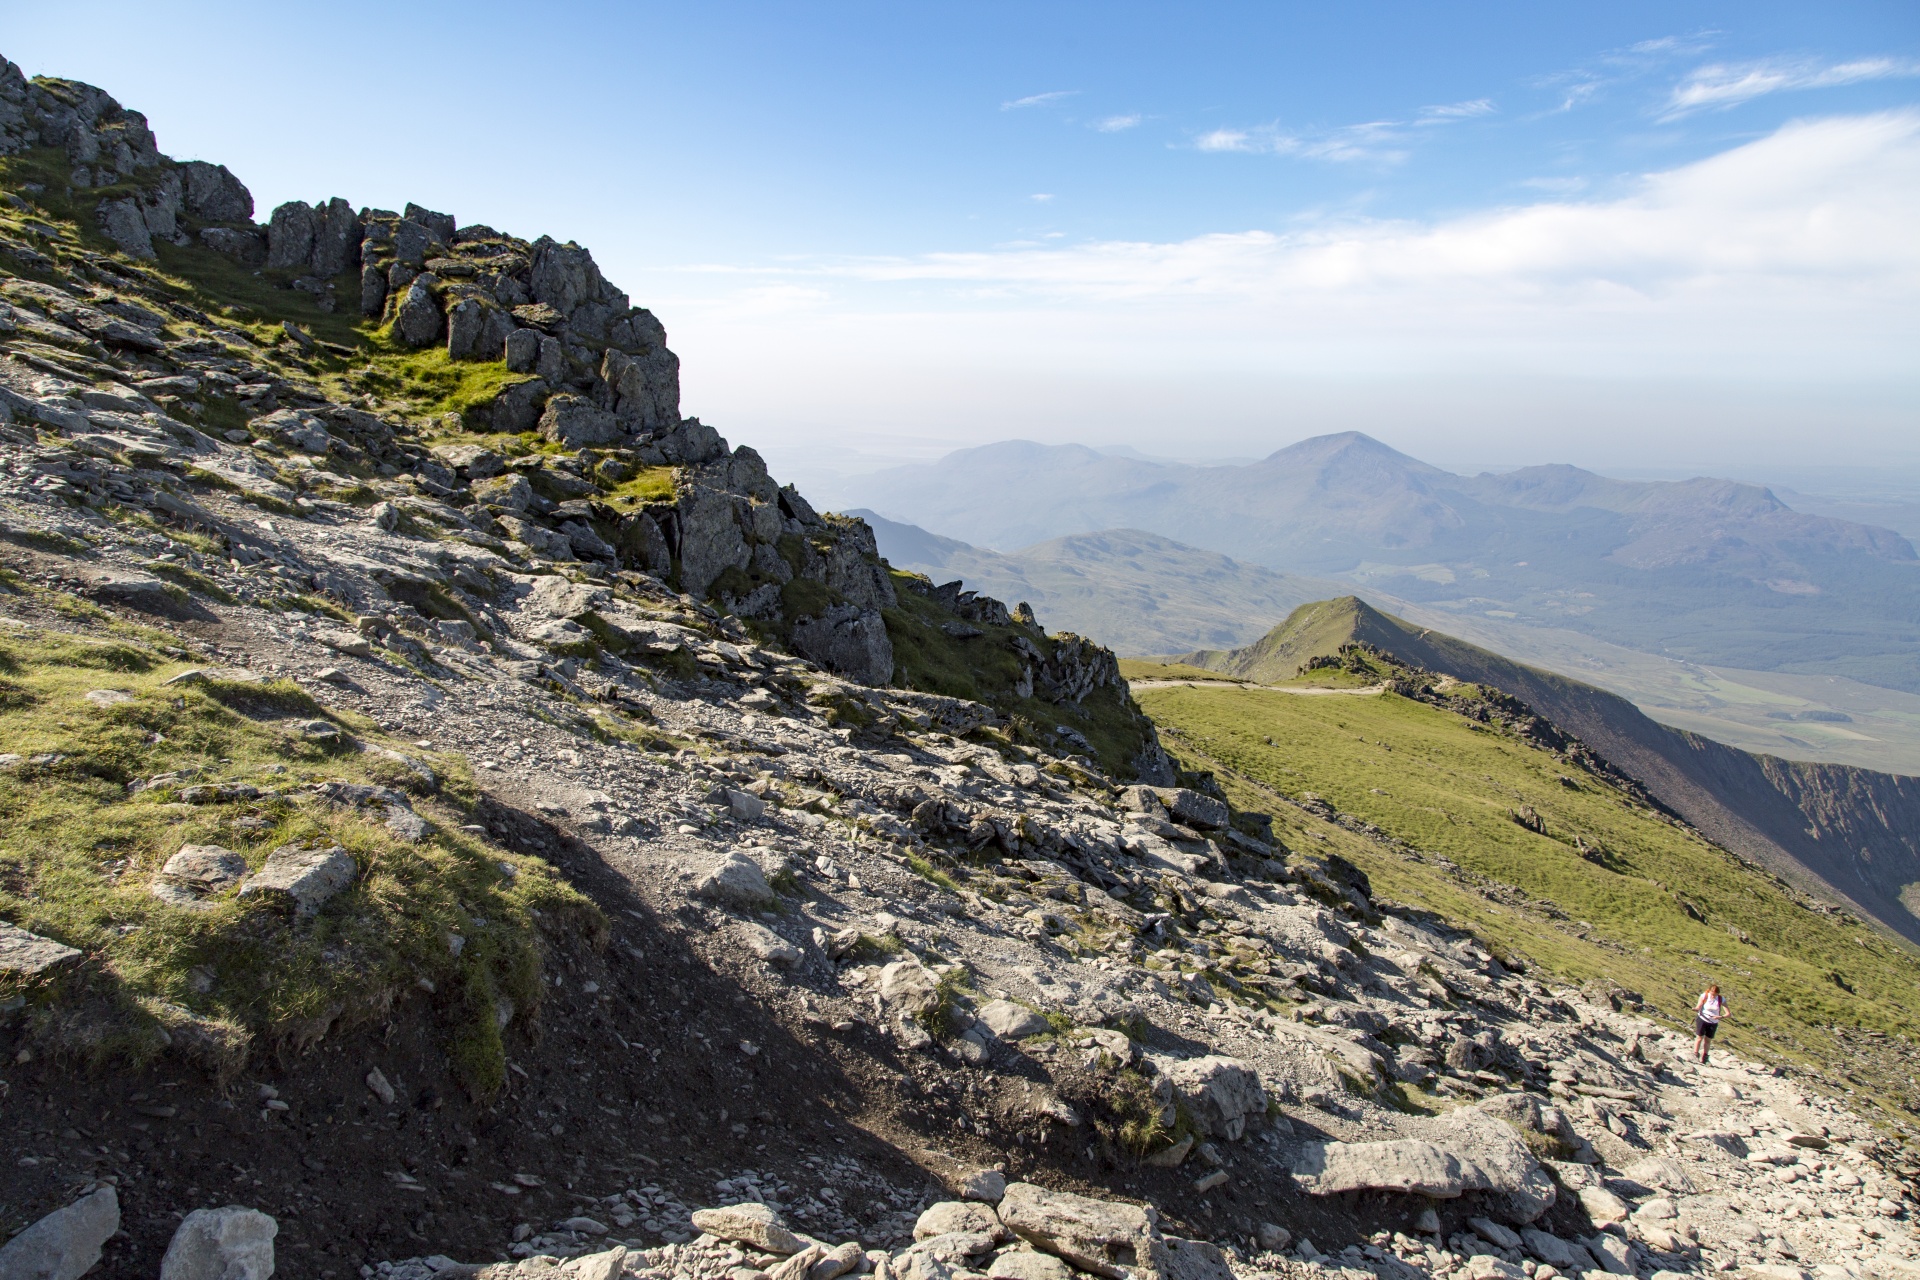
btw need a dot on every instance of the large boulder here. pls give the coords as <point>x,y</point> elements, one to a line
<point>1102,1236</point>
<point>956,1215</point>
<point>214,194</point>
<point>847,641</point>
<point>122,222</point>
<point>1223,1095</point>
<point>65,1244</point>
<point>290,236</point>
<point>233,1243</point>
<point>736,881</point>
<point>1467,1151</point>
<point>477,329</point>
<point>336,239</point>
<point>646,385</point>
<point>1010,1021</point>
<point>575,422</point>
<point>753,1224</point>
<point>418,322</point>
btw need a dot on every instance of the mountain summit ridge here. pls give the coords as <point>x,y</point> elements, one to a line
<point>1712,571</point>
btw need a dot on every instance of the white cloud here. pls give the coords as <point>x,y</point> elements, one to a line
<point>1797,246</point>
<point>1454,111</point>
<point>1041,197</point>
<point>1038,99</point>
<point>1225,140</point>
<point>1116,124</point>
<point>1778,280</point>
<point>1725,84</point>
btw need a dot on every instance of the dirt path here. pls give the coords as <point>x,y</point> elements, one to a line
<point>1137,685</point>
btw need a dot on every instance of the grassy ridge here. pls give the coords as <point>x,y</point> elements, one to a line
<point>1612,890</point>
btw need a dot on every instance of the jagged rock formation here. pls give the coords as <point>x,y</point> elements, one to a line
<point>830,897</point>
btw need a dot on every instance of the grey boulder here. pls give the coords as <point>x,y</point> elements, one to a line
<point>233,1243</point>
<point>753,1224</point>
<point>956,1215</point>
<point>736,881</point>
<point>303,879</point>
<point>65,1244</point>
<point>1222,1094</point>
<point>1102,1236</point>
<point>196,873</point>
<point>1468,1151</point>
<point>28,954</point>
<point>1010,1021</point>
<point>418,322</point>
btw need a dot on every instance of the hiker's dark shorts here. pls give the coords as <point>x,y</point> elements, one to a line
<point>1705,1029</point>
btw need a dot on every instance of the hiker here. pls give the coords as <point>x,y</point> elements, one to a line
<point>1707,1012</point>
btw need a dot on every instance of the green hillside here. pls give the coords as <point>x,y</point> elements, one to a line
<point>1454,800</point>
<point>1836,830</point>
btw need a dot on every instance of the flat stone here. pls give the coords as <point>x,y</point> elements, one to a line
<point>1011,1021</point>
<point>770,946</point>
<point>986,1185</point>
<point>956,1215</point>
<point>306,878</point>
<point>1484,1266</point>
<point>1026,1264</point>
<point>65,1244</point>
<point>234,1243</point>
<point>1469,1151</point>
<point>1107,1238</point>
<point>907,985</point>
<point>29,953</point>
<point>750,1223</point>
<point>1551,1248</point>
<point>196,873</point>
<point>108,697</point>
<point>1603,1206</point>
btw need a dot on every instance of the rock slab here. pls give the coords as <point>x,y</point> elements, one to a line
<point>65,1244</point>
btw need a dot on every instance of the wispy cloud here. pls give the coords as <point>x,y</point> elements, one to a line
<point>1116,124</point>
<point>1374,142</point>
<point>1455,111</point>
<point>1037,99</point>
<point>1577,86</point>
<point>1727,84</point>
<point>1041,197</point>
<point>1382,142</point>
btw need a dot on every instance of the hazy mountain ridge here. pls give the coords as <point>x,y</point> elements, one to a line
<point>1134,592</point>
<point>1712,571</point>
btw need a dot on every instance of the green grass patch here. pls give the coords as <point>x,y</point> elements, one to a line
<point>431,380</point>
<point>650,484</point>
<point>79,848</point>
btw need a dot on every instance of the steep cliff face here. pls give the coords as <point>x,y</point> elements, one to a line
<point>503,389</point>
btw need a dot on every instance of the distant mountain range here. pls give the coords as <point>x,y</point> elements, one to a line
<point>1134,592</point>
<point>1853,830</point>
<point>1710,571</point>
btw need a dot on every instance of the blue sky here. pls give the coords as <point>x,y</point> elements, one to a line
<point>1627,235</point>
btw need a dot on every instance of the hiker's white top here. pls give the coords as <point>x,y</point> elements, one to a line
<point>1711,1008</point>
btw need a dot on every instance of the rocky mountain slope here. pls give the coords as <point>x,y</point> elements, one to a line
<point>1835,829</point>
<point>461,817</point>
<point>1706,570</point>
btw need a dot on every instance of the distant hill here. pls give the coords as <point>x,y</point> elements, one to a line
<point>1132,591</point>
<point>1854,831</point>
<point>1706,570</point>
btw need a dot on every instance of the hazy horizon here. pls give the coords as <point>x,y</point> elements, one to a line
<point>1646,236</point>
